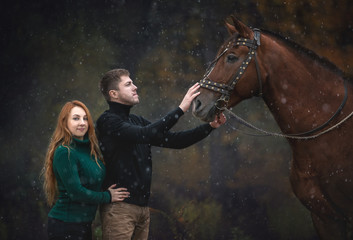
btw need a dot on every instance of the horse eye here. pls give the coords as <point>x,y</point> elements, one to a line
<point>231,58</point>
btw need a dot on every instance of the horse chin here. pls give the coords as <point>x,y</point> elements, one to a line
<point>211,115</point>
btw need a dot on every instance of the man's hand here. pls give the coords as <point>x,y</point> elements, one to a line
<point>189,96</point>
<point>219,120</point>
<point>118,194</point>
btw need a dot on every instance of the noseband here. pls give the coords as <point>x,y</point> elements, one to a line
<point>227,89</point>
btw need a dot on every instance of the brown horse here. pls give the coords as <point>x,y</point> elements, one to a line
<point>307,95</point>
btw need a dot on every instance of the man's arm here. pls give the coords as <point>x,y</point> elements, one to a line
<point>153,133</point>
<point>137,132</point>
<point>187,138</point>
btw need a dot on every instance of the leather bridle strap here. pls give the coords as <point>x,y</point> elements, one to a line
<point>226,89</point>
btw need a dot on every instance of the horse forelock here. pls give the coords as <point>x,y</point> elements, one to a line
<point>229,40</point>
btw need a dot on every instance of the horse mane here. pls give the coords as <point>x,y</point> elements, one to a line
<point>311,54</point>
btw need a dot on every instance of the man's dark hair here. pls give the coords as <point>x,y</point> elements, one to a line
<point>110,81</point>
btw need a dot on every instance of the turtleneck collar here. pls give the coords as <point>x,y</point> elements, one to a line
<point>80,143</point>
<point>119,108</point>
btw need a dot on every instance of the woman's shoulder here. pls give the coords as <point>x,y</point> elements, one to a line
<point>62,148</point>
<point>61,151</point>
<point>63,154</point>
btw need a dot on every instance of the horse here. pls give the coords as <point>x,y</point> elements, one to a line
<point>311,101</point>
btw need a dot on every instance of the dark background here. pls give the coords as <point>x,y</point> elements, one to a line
<point>229,186</point>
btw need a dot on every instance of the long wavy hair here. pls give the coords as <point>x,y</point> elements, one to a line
<point>63,136</point>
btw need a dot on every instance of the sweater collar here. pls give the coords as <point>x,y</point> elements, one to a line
<point>119,108</point>
<point>78,143</point>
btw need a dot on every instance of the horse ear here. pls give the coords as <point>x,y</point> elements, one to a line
<point>238,27</point>
<point>230,28</point>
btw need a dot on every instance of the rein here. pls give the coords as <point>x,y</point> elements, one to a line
<point>291,136</point>
<point>302,135</point>
<point>226,89</point>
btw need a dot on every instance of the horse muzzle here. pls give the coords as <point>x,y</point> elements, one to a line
<point>205,112</point>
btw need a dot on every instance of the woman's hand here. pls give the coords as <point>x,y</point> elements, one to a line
<point>118,194</point>
<point>219,120</point>
<point>189,96</point>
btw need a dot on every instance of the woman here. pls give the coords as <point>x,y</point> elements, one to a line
<point>73,174</point>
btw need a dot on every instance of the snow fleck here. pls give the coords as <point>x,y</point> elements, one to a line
<point>326,107</point>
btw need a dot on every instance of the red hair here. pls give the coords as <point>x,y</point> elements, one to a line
<point>62,136</point>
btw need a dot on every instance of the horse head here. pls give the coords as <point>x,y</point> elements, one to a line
<point>234,75</point>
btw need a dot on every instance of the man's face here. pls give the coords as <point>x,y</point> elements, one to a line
<point>126,93</point>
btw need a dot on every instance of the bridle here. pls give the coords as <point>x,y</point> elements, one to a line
<point>226,89</point>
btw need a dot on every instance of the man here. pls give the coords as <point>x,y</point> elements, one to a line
<point>125,140</point>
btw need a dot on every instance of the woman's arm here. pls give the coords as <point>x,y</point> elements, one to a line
<point>66,169</point>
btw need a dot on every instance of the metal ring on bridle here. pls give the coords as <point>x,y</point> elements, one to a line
<point>221,104</point>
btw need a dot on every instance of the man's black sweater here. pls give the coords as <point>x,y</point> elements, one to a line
<point>126,139</point>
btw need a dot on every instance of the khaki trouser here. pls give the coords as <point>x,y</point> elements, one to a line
<point>123,221</point>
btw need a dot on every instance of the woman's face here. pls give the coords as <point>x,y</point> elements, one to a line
<point>77,122</point>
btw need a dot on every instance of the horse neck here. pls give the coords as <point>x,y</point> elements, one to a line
<point>300,91</point>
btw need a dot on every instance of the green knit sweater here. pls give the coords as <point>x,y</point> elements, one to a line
<point>79,181</point>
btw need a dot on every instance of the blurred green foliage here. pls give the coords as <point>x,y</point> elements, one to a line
<point>229,186</point>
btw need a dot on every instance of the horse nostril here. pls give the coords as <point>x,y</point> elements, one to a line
<point>197,104</point>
